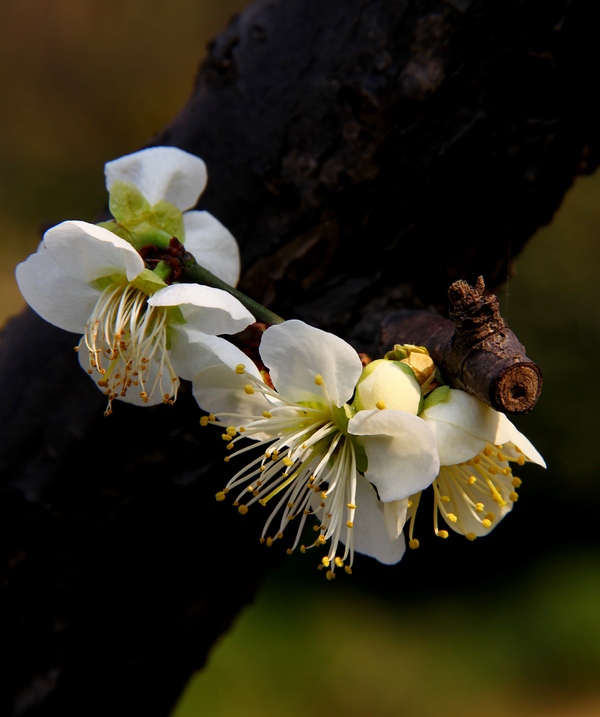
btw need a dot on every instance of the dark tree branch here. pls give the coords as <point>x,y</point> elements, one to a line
<point>366,154</point>
<point>475,350</point>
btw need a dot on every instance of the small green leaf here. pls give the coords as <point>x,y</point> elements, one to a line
<point>148,282</point>
<point>127,204</point>
<point>440,394</point>
<point>362,462</point>
<point>167,217</point>
<point>117,229</point>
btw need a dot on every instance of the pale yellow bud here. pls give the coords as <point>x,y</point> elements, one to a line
<point>387,383</point>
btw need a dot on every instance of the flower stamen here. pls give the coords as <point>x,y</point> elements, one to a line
<point>127,343</point>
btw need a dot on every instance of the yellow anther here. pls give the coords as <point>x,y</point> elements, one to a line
<point>243,509</point>
<point>280,535</point>
<point>330,575</point>
<point>506,471</point>
<point>267,414</point>
<point>212,417</point>
<point>413,544</point>
<point>325,561</point>
<point>229,446</point>
<point>409,504</point>
<point>231,430</point>
<point>248,389</point>
<point>225,436</point>
<point>476,460</point>
<point>517,482</point>
<point>352,506</point>
<point>491,517</point>
<point>479,507</point>
<point>204,421</point>
<point>487,451</point>
<point>486,523</point>
<point>220,496</point>
<point>471,480</point>
<point>319,379</point>
<point>287,461</point>
<point>452,518</point>
<point>380,405</point>
<point>514,496</point>
<point>227,459</point>
<point>521,460</point>
<point>240,368</point>
<point>269,542</point>
<point>303,549</point>
<point>242,429</point>
<point>350,524</point>
<point>348,569</point>
<point>289,551</point>
<point>501,456</point>
<point>321,540</point>
<point>339,562</point>
<point>445,498</point>
<point>442,534</point>
<point>250,488</point>
<point>470,536</point>
<point>492,470</point>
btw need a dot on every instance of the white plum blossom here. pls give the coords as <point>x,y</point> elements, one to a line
<point>139,335</point>
<point>319,455</point>
<point>476,487</point>
<point>149,189</point>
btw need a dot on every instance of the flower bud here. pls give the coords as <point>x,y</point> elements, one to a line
<point>387,384</point>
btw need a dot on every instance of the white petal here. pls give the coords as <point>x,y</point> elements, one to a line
<point>296,352</point>
<point>401,451</point>
<point>88,252</point>
<point>218,390</point>
<point>213,246</point>
<point>205,309</point>
<point>394,513</point>
<point>462,425</point>
<point>53,294</point>
<point>192,351</point>
<point>508,433</point>
<point>371,536</point>
<point>161,173</point>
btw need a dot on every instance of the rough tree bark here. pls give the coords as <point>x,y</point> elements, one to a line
<point>366,154</point>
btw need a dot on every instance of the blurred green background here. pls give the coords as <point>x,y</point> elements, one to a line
<point>508,625</point>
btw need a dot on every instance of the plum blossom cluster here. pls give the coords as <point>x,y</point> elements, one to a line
<point>314,434</point>
<point>352,447</point>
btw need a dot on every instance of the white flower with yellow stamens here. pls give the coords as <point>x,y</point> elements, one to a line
<point>139,335</point>
<point>475,488</point>
<point>319,454</point>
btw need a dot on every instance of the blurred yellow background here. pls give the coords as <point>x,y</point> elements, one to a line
<point>509,625</point>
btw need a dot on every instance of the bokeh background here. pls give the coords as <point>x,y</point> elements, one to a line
<point>507,625</point>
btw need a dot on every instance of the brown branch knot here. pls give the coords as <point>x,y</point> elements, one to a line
<point>474,349</point>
